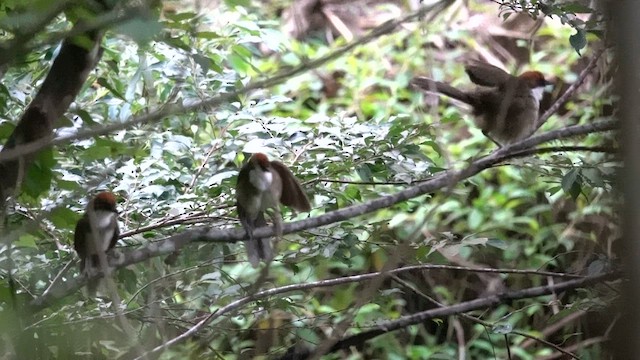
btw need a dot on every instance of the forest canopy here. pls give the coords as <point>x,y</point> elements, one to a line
<point>426,238</point>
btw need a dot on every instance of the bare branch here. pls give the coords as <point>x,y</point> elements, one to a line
<point>480,303</point>
<point>579,346</point>
<point>177,109</point>
<point>570,91</point>
<point>366,277</point>
<point>480,321</point>
<point>405,321</point>
<point>561,149</point>
<point>19,46</point>
<point>68,73</point>
<point>209,234</point>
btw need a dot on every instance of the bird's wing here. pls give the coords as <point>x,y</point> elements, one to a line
<point>292,193</point>
<point>80,236</point>
<point>484,74</point>
<point>116,234</point>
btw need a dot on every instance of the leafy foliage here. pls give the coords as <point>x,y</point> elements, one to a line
<point>551,212</point>
<point>565,11</point>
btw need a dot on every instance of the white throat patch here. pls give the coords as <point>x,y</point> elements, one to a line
<point>537,93</point>
<point>260,179</point>
<point>104,218</point>
<point>105,221</point>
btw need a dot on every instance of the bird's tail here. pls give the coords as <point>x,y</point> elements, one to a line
<point>87,266</point>
<point>92,288</point>
<point>259,249</point>
<point>427,84</point>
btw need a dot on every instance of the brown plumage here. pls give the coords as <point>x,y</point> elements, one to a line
<point>506,108</point>
<point>262,185</point>
<point>103,207</point>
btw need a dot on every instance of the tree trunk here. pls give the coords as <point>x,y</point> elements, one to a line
<point>78,56</point>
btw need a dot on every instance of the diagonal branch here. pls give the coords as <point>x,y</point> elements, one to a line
<point>177,109</point>
<point>16,47</point>
<point>570,91</point>
<point>480,303</point>
<point>439,181</point>
<point>20,45</point>
<point>388,326</point>
<point>68,73</point>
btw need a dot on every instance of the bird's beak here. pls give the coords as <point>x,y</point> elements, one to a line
<point>550,81</point>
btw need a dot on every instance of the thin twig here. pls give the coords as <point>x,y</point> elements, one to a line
<point>353,182</point>
<point>57,277</point>
<point>570,91</point>
<point>205,161</point>
<point>579,346</point>
<point>167,110</point>
<point>560,149</point>
<point>480,303</point>
<point>486,324</point>
<point>439,181</point>
<point>403,322</point>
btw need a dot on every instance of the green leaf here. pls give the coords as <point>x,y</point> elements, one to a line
<point>578,40</point>
<point>238,62</point>
<point>364,172</point>
<point>497,243</point>
<point>40,174</point>
<point>26,240</point>
<point>475,219</point>
<point>502,328</point>
<point>593,176</point>
<point>572,183</point>
<point>576,8</point>
<point>232,3</point>
<point>204,62</point>
<point>86,117</point>
<point>6,128</point>
<point>569,179</point>
<point>177,17</point>
<point>210,35</point>
<point>566,311</point>
<point>63,217</point>
<point>97,152</point>
<point>104,82</point>
<point>140,30</point>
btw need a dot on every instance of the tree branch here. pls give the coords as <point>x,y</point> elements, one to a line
<point>19,45</point>
<point>570,91</point>
<point>177,109</point>
<point>388,326</point>
<point>16,47</point>
<point>210,234</point>
<point>560,149</point>
<point>340,281</point>
<point>481,303</point>
<point>68,73</point>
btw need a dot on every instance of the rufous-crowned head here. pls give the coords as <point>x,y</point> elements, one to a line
<point>105,201</point>
<point>260,159</point>
<point>534,79</point>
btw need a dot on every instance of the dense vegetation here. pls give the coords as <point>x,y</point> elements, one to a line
<point>401,183</point>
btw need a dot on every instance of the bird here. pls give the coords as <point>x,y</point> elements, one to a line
<point>100,216</point>
<point>505,107</point>
<point>264,185</point>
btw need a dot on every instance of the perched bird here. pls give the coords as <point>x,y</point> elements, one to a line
<point>97,231</point>
<point>262,185</point>
<point>506,108</point>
